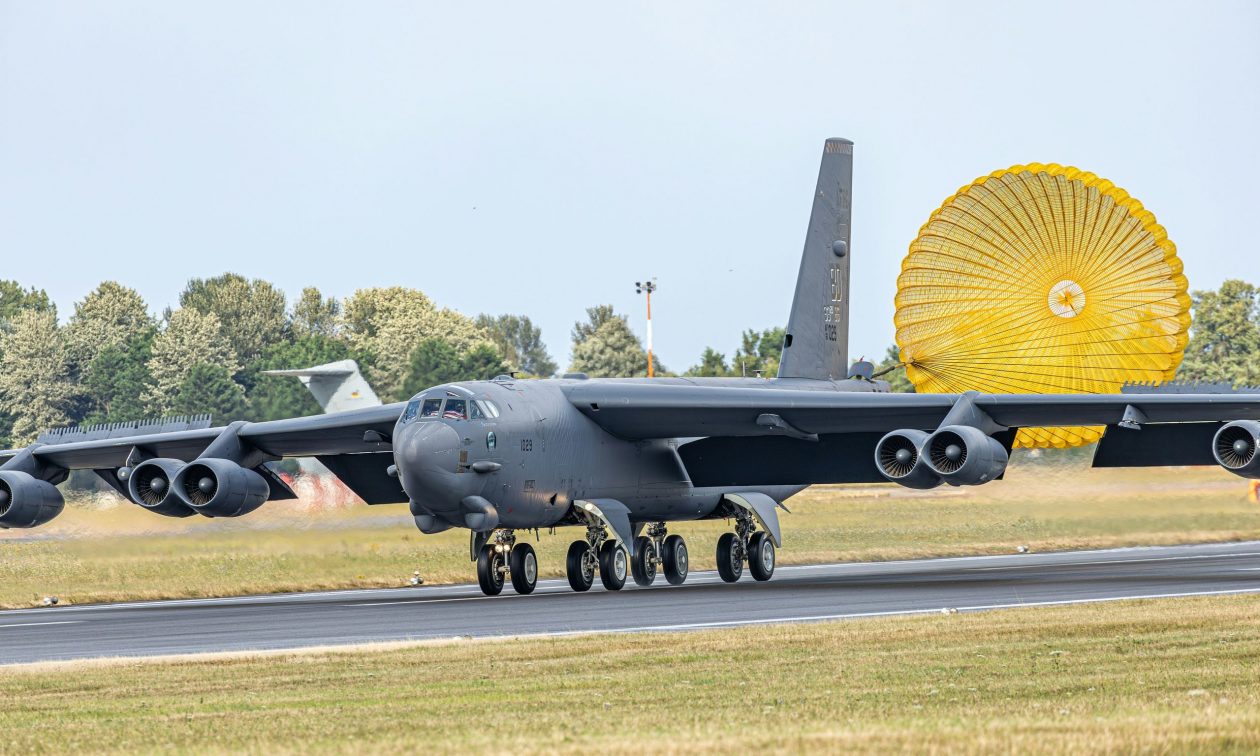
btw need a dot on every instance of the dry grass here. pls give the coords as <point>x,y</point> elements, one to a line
<point>1153,676</point>
<point>121,552</point>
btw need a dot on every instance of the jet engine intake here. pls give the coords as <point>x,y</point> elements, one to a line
<point>220,488</point>
<point>899,457</point>
<point>27,501</point>
<point>964,456</point>
<point>149,485</point>
<point>1234,448</point>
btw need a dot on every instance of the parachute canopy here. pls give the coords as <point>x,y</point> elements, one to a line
<point>1041,279</point>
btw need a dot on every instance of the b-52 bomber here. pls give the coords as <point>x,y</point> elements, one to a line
<point>621,459</point>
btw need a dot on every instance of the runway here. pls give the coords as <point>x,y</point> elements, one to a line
<point>796,594</point>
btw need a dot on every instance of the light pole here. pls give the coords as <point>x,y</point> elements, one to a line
<point>640,288</point>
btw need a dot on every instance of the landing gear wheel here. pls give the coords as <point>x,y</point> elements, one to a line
<point>489,576</point>
<point>523,568</point>
<point>612,566</point>
<point>643,564</point>
<point>674,554</point>
<point>730,565</point>
<point>761,556</point>
<point>580,566</point>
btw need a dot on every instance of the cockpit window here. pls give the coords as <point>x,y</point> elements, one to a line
<point>488,407</point>
<point>431,408</point>
<point>413,408</point>
<point>456,409</point>
<point>475,411</point>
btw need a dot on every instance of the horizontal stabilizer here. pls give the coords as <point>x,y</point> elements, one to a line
<point>337,386</point>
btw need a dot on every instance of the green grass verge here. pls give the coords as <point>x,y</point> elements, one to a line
<point>1145,676</point>
<point>122,552</point>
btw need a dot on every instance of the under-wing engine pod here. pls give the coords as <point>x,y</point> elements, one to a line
<point>899,457</point>
<point>220,488</point>
<point>149,485</point>
<point>27,501</point>
<point>1234,448</point>
<point>964,456</point>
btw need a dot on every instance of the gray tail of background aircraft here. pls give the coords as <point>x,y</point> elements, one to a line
<point>622,459</point>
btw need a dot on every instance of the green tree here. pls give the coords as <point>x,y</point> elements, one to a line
<point>210,389</point>
<point>313,315</point>
<point>15,299</point>
<point>1224,336</point>
<point>520,343</point>
<point>109,316</point>
<point>712,365</point>
<point>35,386</point>
<point>273,398</point>
<point>759,351</point>
<point>117,381</point>
<point>190,338</point>
<point>611,350</point>
<point>435,362</point>
<point>595,317</point>
<point>252,313</point>
<point>385,326</point>
<point>896,372</point>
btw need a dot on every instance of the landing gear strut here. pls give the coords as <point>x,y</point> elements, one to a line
<point>599,554</point>
<point>746,544</point>
<point>654,549</point>
<point>501,556</point>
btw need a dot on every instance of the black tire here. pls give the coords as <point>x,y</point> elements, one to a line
<point>643,563</point>
<point>488,575</point>
<point>730,568</point>
<point>613,566</point>
<point>677,563</point>
<point>524,568</point>
<point>761,556</point>
<point>580,570</point>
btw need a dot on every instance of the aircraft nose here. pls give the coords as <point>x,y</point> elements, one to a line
<point>427,455</point>
<point>432,447</point>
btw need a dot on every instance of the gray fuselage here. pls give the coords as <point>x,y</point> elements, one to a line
<point>522,446</point>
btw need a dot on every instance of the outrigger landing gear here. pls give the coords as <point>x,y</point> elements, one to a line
<point>656,548</point>
<point>746,544</point>
<point>499,556</point>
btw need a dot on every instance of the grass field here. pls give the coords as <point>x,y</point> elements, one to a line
<point>1153,676</point>
<point>115,550</point>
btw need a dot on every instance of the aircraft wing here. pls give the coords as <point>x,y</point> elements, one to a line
<point>645,411</point>
<point>338,440</point>
<point>753,436</point>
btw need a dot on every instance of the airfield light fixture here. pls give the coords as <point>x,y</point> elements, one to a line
<point>647,287</point>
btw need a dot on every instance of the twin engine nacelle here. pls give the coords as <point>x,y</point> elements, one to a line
<point>956,454</point>
<point>1234,448</point>
<point>27,501</point>
<point>210,487</point>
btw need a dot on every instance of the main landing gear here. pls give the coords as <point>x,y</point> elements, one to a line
<point>654,549</point>
<point>502,557</point>
<point>746,544</point>
<point>598,553</point>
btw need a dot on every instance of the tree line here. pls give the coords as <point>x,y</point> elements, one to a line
<point>113,360</point>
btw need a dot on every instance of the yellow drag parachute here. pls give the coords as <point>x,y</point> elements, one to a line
<point>1041,279</point>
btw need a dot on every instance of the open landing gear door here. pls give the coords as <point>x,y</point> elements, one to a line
<point>763,509</point>
<point>615,516</point>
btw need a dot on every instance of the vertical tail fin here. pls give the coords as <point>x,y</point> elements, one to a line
<point>817,341</point>
<point>337,386</point>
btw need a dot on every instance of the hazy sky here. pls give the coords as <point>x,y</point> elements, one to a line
<point>538,158</point>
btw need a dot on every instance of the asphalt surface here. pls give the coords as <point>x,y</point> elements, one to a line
<point>796,594</point>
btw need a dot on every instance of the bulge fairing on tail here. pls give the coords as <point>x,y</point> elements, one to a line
<point>619,460</point>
